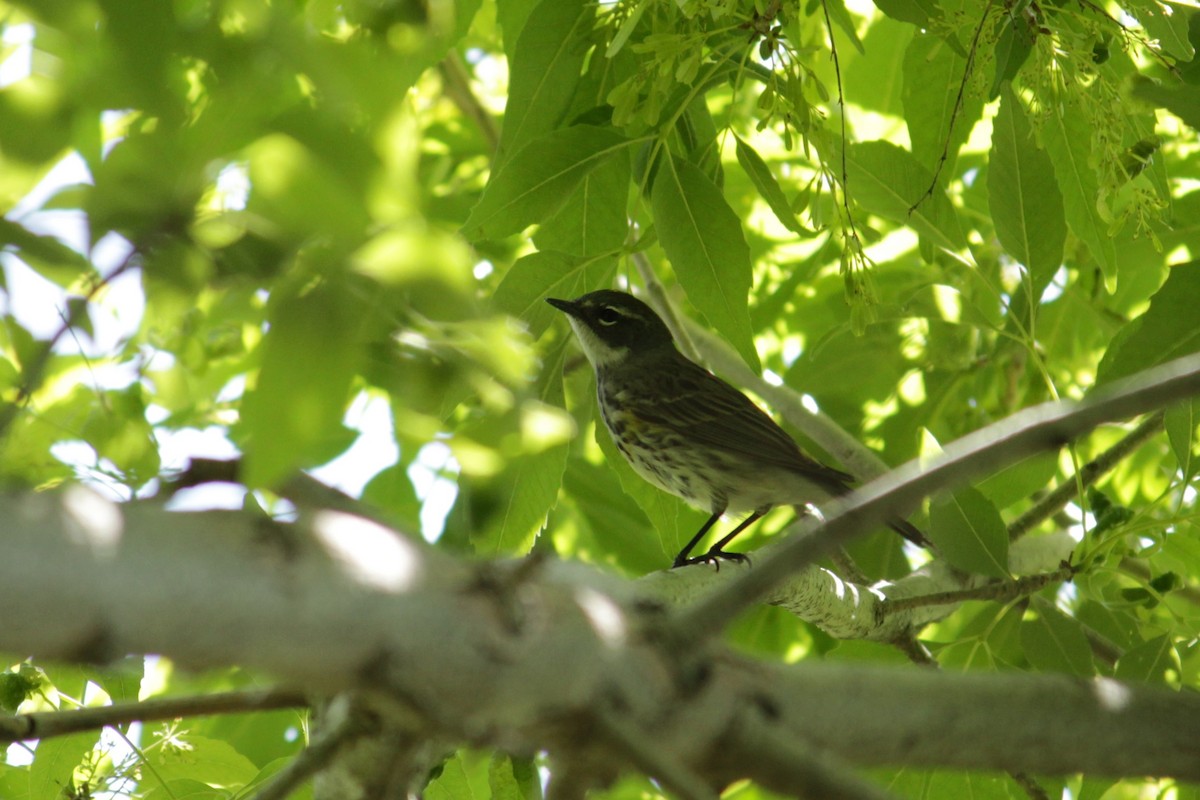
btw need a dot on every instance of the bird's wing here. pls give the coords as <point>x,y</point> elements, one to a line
<point>707,410</point>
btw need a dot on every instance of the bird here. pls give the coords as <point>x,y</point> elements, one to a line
<point>690,433</point>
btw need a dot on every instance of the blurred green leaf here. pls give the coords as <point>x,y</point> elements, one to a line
<point>1019,481</point>
<point>1181,422</point>
<point>1154,661</point>
<point>933,93</point>
<point>968,530</point>
<point>1167,330</point>
<point>1054,642</point>
<point>1182,101</point>
<point>197,758</point>
<point>309,357</point>
<point>1013,46</point>
<point>55,761</point>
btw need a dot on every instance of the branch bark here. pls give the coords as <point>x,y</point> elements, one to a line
<point>528,660</point>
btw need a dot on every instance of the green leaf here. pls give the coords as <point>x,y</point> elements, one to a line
<point>1013,46</point>
<point>769,189</point>
<point>539,179</point>
<point>532,278</point>
<point>544,72</point>
<point>876,78</point>
<point>703,238</point>
<point>1019,481</point>
<point>1116,625</point>
<point>51,258</point>
<point>1180,422</point>
<point>933,82</point>
<point>309,357</point>
<point>1067,135</point>
<point>1168,23</point>
<point>516,501</point>
<point>1169,329</point>
<point>462,776</point>
<point>1181,100</point>
<point>512,16</point>
<point>968,530</point>
<point>841,17</point>
<point>14,782</point>
<point>595,218</point>
<point>1054,642</point>
<point>1023,197</point>
<point>915,12</point>
<point>887,180</point>
<point>55,761</point>
<point>213,762</point>
<point>512,778</point>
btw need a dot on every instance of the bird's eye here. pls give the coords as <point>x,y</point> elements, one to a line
<point>607,315</point>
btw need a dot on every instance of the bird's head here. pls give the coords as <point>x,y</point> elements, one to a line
<point>614,326</point>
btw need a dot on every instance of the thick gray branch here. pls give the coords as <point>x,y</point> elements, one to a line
<point>527,659</point>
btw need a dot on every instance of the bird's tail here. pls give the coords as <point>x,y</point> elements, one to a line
<point>909,531</point>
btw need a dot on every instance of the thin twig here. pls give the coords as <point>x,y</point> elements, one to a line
<point>786,764</point>
<point>320,752</point>
<point>1062,494</point>
<point>457,84</point>
<point>1029,785</point>
<point>999,591</point>
<point>837,73</point>
<point>647,754</point>
<point>47,724</point>
<point>917,653</point>
<point>958,104</point>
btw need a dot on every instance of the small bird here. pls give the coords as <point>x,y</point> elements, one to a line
<point>687,431</point>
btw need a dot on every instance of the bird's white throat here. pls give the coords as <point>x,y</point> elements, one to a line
<point>598,352</point>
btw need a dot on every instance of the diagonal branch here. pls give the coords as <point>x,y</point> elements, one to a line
<point>1091,472</point>
<point>1005,442</point>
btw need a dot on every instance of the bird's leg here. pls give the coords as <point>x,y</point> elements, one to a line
<point>717,551</point>
<point>682,559</point>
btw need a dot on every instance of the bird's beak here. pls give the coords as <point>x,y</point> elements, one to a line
<point>566,306</point>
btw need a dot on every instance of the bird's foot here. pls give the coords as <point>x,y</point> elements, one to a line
<point>714,557</point>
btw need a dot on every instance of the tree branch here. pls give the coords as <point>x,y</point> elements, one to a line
<point>1046,426</point>
<point>48,724</point>
<point>335,602</point>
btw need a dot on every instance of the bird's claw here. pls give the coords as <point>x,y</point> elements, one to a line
<point>713,557</point>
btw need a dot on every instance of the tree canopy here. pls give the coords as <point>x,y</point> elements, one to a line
<point>230,226</point>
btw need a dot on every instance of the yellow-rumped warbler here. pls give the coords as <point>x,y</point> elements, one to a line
<point>687,431</point>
